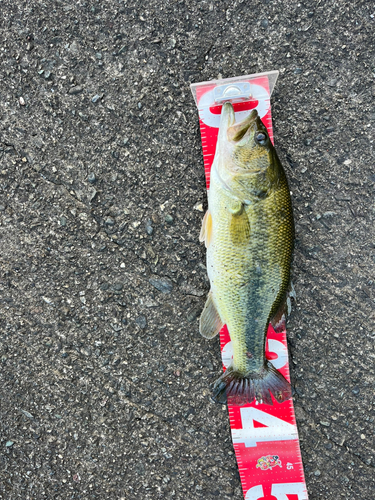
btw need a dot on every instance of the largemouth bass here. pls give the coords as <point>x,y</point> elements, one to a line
<point>248,230</point>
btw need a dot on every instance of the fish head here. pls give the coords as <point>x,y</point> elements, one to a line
<point>244,148</point>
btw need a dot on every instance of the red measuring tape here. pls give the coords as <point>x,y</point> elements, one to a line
<point>265,437</point>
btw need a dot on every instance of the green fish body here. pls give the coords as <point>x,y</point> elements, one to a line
<point>249,233</point>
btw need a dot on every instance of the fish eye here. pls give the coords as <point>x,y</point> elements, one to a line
<point>261,138</point>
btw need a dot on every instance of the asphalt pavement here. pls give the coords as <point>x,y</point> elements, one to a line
<point>104,378</point>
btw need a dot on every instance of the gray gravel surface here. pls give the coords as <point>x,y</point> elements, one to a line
<point>105,381</point>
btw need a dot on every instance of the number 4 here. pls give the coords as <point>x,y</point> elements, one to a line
<point>276,430</point>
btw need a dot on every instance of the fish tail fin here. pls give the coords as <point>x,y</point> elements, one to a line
<point>236,389</point>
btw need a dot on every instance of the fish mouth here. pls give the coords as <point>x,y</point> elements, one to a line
<point>237,131</point>
<point>227,115</point>
<point>227,120</point>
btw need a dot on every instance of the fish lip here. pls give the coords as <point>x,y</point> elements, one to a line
<point>252,116</point>
<point>227,113</point>
<point>237,131</point>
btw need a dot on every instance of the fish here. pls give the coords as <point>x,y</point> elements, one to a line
<point>248,231</point>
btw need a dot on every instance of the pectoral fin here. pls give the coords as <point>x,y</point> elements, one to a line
<point>210,323</point>
<point>206,231</point>
<point>239,227</point>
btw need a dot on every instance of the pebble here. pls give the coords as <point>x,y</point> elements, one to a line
<point>2,208</point>
<point>326,424</point>
<point>8,444</point>
<point>63,221</point>
<point>74,47</point>
<point>332,83</point>
<point>109,221</point>
<point>91,193</point>
<point>192,315</point>
<point>342,196</point>
<point>317,473</point>
<point>22,101</point>
<point>297,71</point>
<point>118,286</point>
<point>264,23</point>
<point>83,116</point>
<point>149,228</point>
<point>47,75</point>
<point>91,178</point>
<point>141,322</point>
<point>96,98</point>
<point>356,390</point>
<point>98,55</point>
<point>164,285</point>
<point>27,414</point>
<point>75,90</point>
<point>168,219</point>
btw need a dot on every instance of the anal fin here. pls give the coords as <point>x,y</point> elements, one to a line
<point>210,322</point>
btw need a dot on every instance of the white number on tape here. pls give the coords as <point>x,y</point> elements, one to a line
<point>280,491</point>
<point>254,493</point>
<point>276,430</point>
